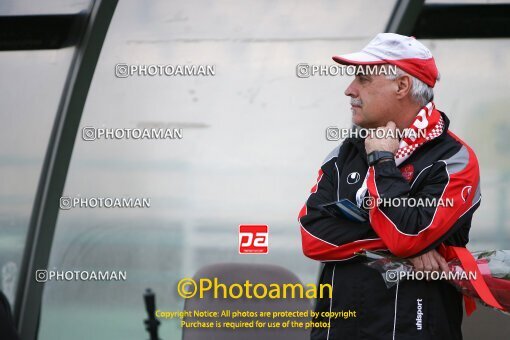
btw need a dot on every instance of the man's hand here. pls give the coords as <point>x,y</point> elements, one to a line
<point>431,261</point>
<point>372,143</point>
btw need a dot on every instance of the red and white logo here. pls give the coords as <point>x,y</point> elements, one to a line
<point>407,172</point>
<point>466,191</point>
<point>253,239</point>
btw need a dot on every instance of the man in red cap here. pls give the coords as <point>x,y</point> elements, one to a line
<point>429,165</point>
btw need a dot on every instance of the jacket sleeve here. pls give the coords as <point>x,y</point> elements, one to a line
<point>327,238</point>
<point>450,190</point>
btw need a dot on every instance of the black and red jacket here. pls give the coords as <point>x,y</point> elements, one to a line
<point>443,168</point>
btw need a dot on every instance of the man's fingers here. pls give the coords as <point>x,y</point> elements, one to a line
<point>442,262</point>
<point>434,262</point>
<point>431,261</point>
<point>427,264</point>
<point>417,263</point>
<point>391,125</point>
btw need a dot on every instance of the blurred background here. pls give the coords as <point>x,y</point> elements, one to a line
<point>253,140</point>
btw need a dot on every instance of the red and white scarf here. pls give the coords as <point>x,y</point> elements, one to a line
<point>427,125</point>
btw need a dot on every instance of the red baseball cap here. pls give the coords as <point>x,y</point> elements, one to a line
<point>404,52</point>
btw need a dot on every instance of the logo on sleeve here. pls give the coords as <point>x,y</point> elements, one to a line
<point>353,178</point>
<point>407,172</point>
<point>466,191</point>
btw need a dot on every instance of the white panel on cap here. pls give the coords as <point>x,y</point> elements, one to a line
<point>360,56</point>
<point>393,46</point>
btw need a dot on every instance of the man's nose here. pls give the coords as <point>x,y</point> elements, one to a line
<point>350,91</point>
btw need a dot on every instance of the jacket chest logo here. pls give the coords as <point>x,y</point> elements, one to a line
<point>407,172</point>
<point>353,178</point>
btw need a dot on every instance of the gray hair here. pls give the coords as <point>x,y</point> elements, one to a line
<point>420,92</point>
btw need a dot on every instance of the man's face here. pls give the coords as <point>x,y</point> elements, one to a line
<point>372,100</point>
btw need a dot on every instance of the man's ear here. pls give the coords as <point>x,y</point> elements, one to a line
<point>404,85</point>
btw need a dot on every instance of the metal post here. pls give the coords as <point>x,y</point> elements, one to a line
<point>55,166</point>
<point>404,16</point>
